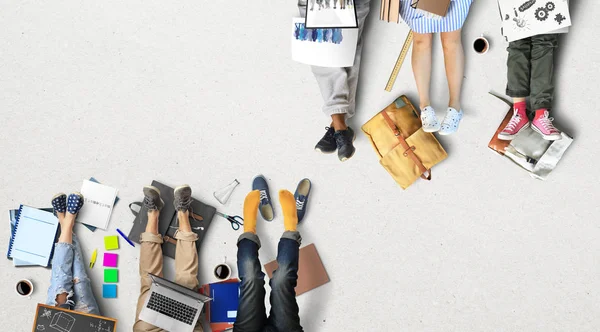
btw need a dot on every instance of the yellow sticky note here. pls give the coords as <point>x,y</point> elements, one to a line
<point>111,242</point>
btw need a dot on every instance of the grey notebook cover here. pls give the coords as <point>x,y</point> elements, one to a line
<point>168,217</point>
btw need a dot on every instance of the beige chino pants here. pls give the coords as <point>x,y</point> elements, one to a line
<point>151,261</point>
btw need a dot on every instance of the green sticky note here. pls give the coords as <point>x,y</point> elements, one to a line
<point>111,242</point>
<point>111,275</point>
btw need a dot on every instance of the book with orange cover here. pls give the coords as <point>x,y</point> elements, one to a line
<point>311,272</point>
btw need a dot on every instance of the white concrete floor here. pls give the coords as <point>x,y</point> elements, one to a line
<point>202,93</point>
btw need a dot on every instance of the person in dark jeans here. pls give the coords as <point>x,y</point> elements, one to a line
<point>530,74</point>
<point>251,314</point>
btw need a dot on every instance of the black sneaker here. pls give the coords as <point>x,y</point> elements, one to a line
<point>327,143</point>
<point>343,140</point>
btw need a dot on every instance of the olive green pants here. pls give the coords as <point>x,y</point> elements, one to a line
<point>531,69</point>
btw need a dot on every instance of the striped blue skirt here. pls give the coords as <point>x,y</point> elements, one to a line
<point>422,23</point>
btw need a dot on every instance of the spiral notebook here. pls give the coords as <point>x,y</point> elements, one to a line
<point>34,234</point>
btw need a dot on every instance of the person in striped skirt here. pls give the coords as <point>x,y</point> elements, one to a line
<point>424,25</point>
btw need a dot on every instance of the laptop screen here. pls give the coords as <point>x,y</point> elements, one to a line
<point>178,288</point>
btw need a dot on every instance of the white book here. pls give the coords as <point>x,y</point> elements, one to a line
<point>98,204</point>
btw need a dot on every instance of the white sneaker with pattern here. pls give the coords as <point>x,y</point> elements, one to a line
<point>429,120</point>
<point>451,121</point>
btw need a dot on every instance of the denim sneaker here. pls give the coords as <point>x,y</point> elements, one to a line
<point>343,140</point>
<point>182,198</point>
<point>301,196</point>
<point>59,203</point>
<point>327,143</point>
<point>266,207</point>
<point>74,202</point>
<point>152,200</point>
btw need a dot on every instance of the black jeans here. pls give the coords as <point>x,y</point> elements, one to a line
<point>531,69</point>
<point>251,314</point>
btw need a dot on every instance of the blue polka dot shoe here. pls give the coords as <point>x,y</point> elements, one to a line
<point>59,203</point>
<point>74,203</point>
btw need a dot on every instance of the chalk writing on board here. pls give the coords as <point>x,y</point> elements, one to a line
<point>41,328</point>
<point>100,327</point>
<point>47,314</point>
<point>62,322</point>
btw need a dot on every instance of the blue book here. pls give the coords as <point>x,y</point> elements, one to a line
<point>34,234</point>
<point>224,304</point>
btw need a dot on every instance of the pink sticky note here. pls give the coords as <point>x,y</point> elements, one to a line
<point>110,260</point>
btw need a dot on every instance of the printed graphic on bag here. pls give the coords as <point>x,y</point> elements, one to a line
<point>324,47</point>
<point>318,35</point>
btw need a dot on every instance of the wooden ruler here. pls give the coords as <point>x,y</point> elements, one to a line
<point>398,65</point>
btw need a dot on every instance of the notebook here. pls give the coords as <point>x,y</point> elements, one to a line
<point>311,272</point>
<point>12,215</point>
<point>35,231</point>
<point>206,290</point>
<point>98,206</point>
<point>224,304</point>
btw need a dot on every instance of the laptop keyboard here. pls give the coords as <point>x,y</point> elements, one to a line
<point>174,309</point>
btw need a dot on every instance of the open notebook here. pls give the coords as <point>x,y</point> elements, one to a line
<point>34,234</point>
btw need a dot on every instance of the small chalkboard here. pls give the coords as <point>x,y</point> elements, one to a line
<point>54,319</point>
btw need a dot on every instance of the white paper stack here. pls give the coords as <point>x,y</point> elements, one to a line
<point>99,201</point>
<point>526,18</point>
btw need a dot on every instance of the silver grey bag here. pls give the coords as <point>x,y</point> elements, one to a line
<point>529,150</point>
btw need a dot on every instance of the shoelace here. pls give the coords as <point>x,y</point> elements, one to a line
<point>185,204</point>
<point>341,139</point>
<point>300,202</point>
<point>512,124</point>
<point>546,123</point>
<point>263,197</point>
<point>149,203</point>
<point>454,119</point>
<point>427,116</point>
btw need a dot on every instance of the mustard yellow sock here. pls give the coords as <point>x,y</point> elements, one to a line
<point>250,211</point>
<point>288,206</point>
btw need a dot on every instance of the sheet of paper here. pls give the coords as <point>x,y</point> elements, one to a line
<point>323,47</point>
<point>98,205</point>
<point>526,18</point>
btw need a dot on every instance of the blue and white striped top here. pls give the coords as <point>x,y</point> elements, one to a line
<point>422,23</point>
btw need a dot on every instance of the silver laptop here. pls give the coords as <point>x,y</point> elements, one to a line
<point>172,307</point>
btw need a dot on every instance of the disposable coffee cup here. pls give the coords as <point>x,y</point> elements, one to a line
<point>481,45</point>
<point>24,288</point>
<point>222,271</point>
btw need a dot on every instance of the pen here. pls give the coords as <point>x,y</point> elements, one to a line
<point>125,237</point>
<point>93,260</point>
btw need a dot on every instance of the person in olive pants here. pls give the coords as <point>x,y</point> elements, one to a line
<point>530,73</point>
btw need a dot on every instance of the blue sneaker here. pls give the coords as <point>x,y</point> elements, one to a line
<point>74,202</point>
<point>266,208</point>
<point>59,203</point>
<point>301,196</point>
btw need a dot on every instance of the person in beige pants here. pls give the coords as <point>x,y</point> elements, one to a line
<point>151,257</point>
